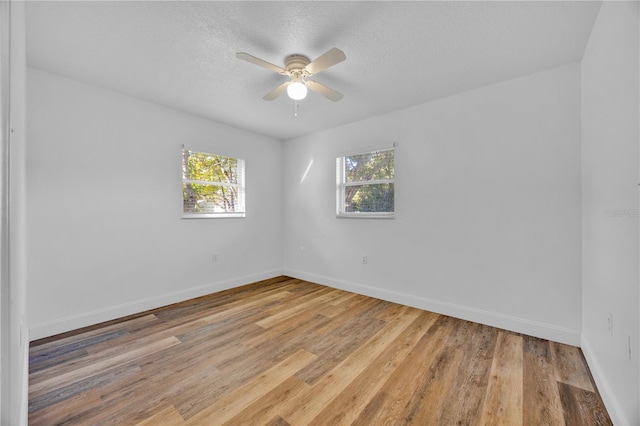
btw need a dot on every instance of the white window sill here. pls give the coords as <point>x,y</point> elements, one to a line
<point>212,215</point>
<point>365,215</point>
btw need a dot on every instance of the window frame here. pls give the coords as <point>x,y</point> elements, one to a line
<point>341,185</point>
<point>240,185</point>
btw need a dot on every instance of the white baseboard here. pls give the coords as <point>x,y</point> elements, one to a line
<point>610,402</point>
<point>519,325</point>
<point>74,322</point>
<point>507,322</point>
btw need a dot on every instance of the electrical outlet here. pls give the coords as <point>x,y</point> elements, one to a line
<point>610,323</point>
<point>214,258</point>
<point>364,259</point>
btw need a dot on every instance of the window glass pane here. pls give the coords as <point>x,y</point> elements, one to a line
<point>210,199</point>
<point>369,198</point>
<point>209,167</point>
<point>374,165</point>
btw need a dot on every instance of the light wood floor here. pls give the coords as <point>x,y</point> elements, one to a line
<point>285,351</point>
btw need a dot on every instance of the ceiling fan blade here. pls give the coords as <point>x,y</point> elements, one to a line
<point>325,91</point>
<point>258,61</point>
<point>326,60</point>
<point>277,91</point>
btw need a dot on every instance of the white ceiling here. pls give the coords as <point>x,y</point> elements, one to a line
<point>182,54</point>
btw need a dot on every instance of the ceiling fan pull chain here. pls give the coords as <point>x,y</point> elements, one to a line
<point>295,108</point>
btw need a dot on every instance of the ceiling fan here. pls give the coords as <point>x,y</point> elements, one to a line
<point>298,68</point>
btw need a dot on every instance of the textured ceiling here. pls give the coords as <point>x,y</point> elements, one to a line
<point>182,54</point>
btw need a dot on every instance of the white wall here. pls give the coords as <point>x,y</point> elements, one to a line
<point>18,219</point>
<point>610,169</point>
<point>105,234</point>
<point>487,223</point>
<point>14,336</point>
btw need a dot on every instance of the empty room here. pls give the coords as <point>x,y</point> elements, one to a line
<point>330,213</point>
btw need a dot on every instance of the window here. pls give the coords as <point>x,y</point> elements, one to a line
<point>212,185</point>
<point>365,185</point>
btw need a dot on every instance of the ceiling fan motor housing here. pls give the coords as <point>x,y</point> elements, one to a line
<point>295,64</point>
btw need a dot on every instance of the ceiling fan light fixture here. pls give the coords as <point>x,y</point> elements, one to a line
<point>297,90</point>
<point>297,68</point>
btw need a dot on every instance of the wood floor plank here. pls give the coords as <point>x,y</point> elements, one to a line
<point>355,328</point>
<point>115,349</point>
<point>40,363</point>
<point>167,417</point>
<point>305,328</point>
<point>339,305</point>
<point>344,297</point>
<point>427,404</point>
<point>90,370</point>
<point>202,395</point>
<point>287,314</point>
<point>237,364</point>
<point>503,400</point>
<point>346,408</point>
<point>352,309</point>
<point>169,374</point>
<point>192,325</point>
<point>44,345</point>
<point>570,366</point>
<point>582,407</point>
<point>81,387</point>
<point>310,403</point>
<point>42,356</point>
<point>130,402</point>
<point>465,396</point>
<point>339,350</point>
<point>226,408</point>
<point>542,404</point>
<point>260,348</point>
<point>179,326</point>
<point>289,352</point>
<point>387,406</point>
<point>128,396</point>
<point>277,421</point>
<point>268,406</point>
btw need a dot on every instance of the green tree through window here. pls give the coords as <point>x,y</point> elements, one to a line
<point>212,184</point>
<point>366,183</point>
